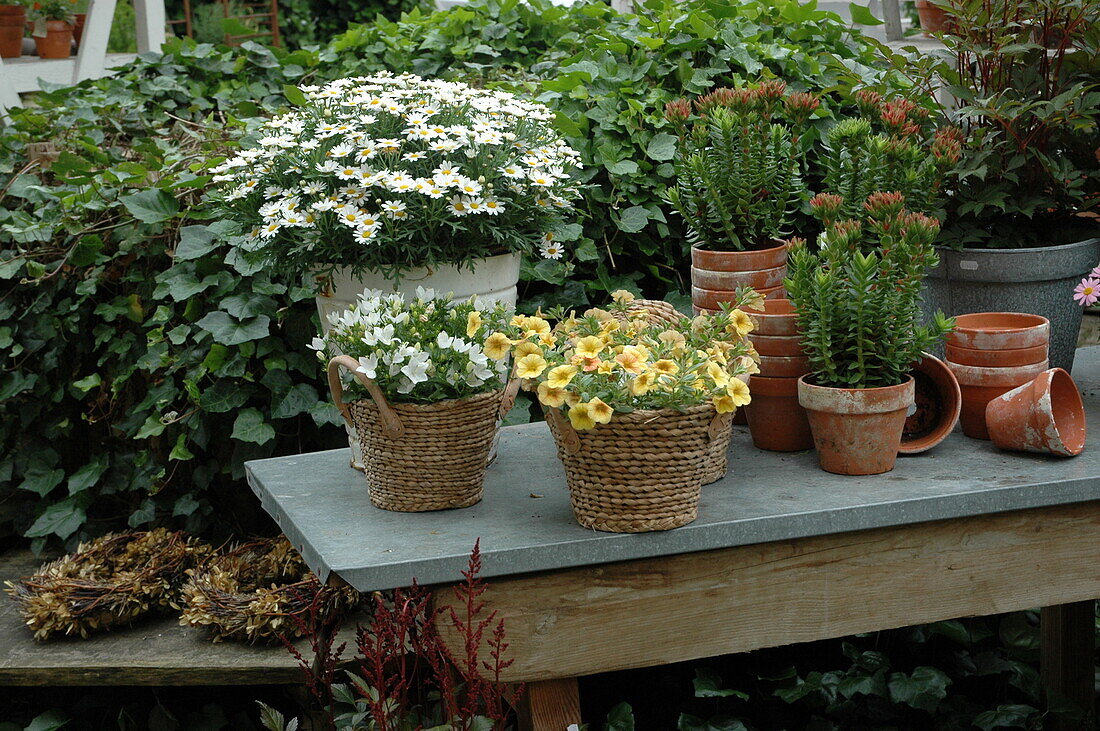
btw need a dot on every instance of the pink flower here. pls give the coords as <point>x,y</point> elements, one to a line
<point>1094,274</point>
<point>1088,291</point>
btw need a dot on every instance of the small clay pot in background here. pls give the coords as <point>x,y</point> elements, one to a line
<point>715,275</point>
<point>857,431</point>
<point>777,422</point>
<point>997,358</point>
<point>1045,415</point>
<point>78,27</point>
<point>13,20</point>
<point>981,385</point>
<point>933,19</point>
<point>58,41</point>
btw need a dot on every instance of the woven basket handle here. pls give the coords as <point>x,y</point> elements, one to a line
<point>570,441</point>
<point>509,399</point>
<point>391,423</point>
<point>716,425</point>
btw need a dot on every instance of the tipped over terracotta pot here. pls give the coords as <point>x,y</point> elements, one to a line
<point>857,431</point>
<point>1045,415</point>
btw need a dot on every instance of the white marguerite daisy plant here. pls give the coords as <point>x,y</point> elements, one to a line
<point>392,172</point>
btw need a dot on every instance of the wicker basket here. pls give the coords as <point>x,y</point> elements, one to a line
<point>422,457</point>
<point>656,312</point>
<point>641,471</point>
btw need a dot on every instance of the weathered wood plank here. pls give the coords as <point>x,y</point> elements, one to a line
<point>655,611</point>
<point>550,705</point>
<point>1068,644</point>
<point>156,651</point>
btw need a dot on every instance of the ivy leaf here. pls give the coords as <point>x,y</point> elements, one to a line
<point>195,241</point>
<point>225,395</point>
<point>298,400</point>
<point>151,206</point>
<point>861,15</point>
<point>40,479</point>
<point>294,95</point>
<point>1006,716</point>
<point>633,219</point>
<point>620,718</point>
<point>228,331</point>
<point>62,519</point>
<point>924,689</point>
<point>622,167</point>
<point>709,685</point>
<point>661,147</point>
<point>49,721</point>
<point>250,427</point>
<point>88,475</point>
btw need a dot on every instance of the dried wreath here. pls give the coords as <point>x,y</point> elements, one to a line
<point>107,583</point>
<point>260,590</point>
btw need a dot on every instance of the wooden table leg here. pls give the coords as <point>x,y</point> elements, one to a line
<point>550,705</point>
<point>1066,664</point>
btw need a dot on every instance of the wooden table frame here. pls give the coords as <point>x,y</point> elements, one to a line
<point>574,622</point>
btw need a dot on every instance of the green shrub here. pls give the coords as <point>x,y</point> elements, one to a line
<point>140,364</point>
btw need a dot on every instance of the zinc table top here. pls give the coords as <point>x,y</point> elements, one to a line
<point>525,522</point>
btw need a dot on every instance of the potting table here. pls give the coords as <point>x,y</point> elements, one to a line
<point>781,553</point>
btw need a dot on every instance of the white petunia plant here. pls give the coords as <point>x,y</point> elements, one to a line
<point>424,350</point>
<point>392,172</point>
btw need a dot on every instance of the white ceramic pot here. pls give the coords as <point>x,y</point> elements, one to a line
<point>493,278</point>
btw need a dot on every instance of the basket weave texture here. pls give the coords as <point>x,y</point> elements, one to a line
<point>440,460</point>
<point>639,472</point>
<point>656,312</point>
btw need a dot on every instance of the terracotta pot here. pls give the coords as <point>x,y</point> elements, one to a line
<point>13,19</point>
<point>777,345</point>
<point>997,358</point>
<point>857,431</point>
<point>778,366</point>
<point>709,300</point>
<point>778,318</point>
<point>999,331</point>
<point>78,27</point>
<point>727,281</point>
<point>981,385</point>
<point>1044,415</point>
<point>932,19</point>
<point>936,407</point>
<point>58,42</point>
<point>777,422</point>
<point>716,274</point>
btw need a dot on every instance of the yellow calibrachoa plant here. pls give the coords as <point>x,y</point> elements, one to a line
<point>608,361</point>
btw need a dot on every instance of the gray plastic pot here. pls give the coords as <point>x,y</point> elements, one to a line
<point>1038,280</point>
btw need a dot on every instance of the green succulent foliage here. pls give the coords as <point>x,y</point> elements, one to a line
<point>737,182</point>
<point>141,363</point>
<point>858,311</point>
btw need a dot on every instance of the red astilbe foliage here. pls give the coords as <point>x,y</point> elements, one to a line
<point>404,665</point>
<point>320,628</point>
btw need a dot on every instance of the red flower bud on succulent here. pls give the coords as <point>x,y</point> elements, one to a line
<point>677,112</point>
<point>801,104</point>
<point>881,205</point>
<point>947,145</point>
<point>919,223</point>
<point>867,100</point>
<point>826,206</point>
<point>772,90</point>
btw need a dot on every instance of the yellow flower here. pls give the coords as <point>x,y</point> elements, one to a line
<point>561,376</point>
<point>518,320</point>
<point>673,338</point>
<point>572,398</point>
<point>643,384</point>
<point>755,301</point>
<point>589,346</point>
<point>748,364</point>
<point>630,361</point>
<point>580,417</point>
<point>473,323</point>
<point>599,412</point>
<point>601,315</point>
<point>548,340</point>
<point>530,366</point>
<point>740,323</point>
<point>699,322</point>
<point>666,367</point>
<point>497,346</point>
<point>724,404</point>
<point>610,326</point>
<point>526,348</point>
<point>605,367</point>
<point>553,397</point>
<point>718,353</point>
<point>622,295</point>
<point>717,374</point>
<point>739,392</point>
<point>535,326</point>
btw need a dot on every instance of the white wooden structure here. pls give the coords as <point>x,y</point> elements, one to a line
<point>19,75</point>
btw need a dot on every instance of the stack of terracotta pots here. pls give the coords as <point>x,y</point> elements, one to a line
<point>991,353</point>
<point>13,21</point>
<point>716,275</point>
<point>776,420</point>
